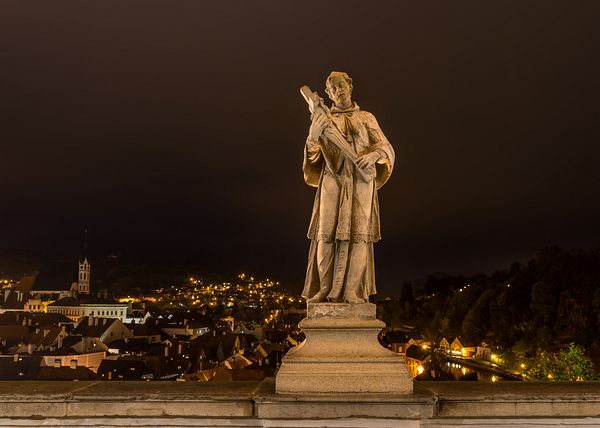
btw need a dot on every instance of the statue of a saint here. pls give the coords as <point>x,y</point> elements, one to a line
<point>347,174</point>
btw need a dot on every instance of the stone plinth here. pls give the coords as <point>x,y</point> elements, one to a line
<point>341,354</point>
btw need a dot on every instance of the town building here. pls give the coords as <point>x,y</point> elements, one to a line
<point>97,333</point>
<point>83,277</point>
<point>483,350</point>
<point>55,280</point>
<point>462,349</point>
<point>90,360</point>
<point>415,359</point>
<point>89,306</point>
<point>13,300</point>
<point>444,345</point>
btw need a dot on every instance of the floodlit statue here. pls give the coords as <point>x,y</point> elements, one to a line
<point>347,158</point>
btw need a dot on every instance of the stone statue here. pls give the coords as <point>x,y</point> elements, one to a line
<point>347,158</point>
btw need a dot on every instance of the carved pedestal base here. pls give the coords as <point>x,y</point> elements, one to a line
<point>341,354</point>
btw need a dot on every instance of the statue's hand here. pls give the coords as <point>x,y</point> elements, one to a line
<point>318,125</point>
<point>368,160</point>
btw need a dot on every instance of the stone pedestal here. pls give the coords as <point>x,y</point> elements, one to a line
<point>341,354</point>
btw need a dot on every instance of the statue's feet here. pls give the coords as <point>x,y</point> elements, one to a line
<point>352,297</point>
<point>319,297</point>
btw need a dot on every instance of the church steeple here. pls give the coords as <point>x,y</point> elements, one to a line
<point>83,279</point>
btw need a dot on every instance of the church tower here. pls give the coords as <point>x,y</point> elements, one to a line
<point>83,280</point>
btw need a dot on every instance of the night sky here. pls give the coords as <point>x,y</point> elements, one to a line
<point>174,130</point>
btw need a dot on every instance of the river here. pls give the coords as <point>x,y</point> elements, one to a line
<point>442,368</point>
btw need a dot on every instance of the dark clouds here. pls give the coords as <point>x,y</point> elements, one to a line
<point>176,129</point>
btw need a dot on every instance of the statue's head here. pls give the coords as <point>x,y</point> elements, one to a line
<point>339,88</point>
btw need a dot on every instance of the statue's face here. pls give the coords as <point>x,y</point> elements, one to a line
<point>339,90</point>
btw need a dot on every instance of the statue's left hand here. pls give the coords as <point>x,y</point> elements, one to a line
<point>368,160</point>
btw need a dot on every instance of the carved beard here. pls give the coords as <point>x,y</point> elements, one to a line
<point>341,99</point>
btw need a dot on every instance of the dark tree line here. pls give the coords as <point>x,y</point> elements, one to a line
<point>543,305</point>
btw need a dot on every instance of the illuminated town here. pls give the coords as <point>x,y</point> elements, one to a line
<point>53,327</point>
<point>54,324</point>
<point>245,291</point>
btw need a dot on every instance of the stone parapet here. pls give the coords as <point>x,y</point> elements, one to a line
<point>516,399</point>
<point>271,405</point>
<point>117,399</point>
<point>255,404</point>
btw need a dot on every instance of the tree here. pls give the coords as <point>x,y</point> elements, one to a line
<point>566,365</point>
<point>596,305</point>
<point>577,366</point>
<point>471,327</point>
<point>543,301</point>
<point>407,294</point>
<point>434,329</point>
<point>571,315</point>
<point>476,321</point>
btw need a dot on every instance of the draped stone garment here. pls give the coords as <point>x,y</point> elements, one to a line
<point>346,208</point>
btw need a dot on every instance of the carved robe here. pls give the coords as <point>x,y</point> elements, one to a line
<point>346,209</point>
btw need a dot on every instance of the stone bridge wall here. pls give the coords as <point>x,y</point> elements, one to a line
<point>254,404</point>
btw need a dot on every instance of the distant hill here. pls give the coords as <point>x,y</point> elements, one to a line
<point>547,303</point>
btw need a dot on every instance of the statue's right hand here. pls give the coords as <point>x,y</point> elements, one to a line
<point>319,123</point>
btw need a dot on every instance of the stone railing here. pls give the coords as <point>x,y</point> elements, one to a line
<point>255,404</point>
